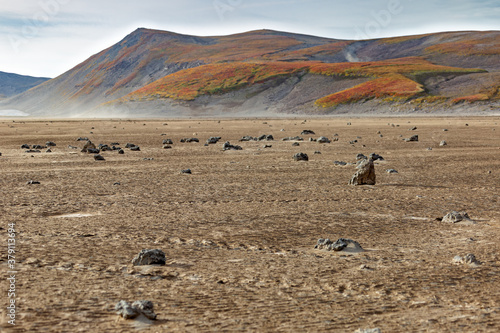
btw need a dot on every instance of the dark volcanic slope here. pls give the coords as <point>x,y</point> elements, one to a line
<point>150,57</point>
<point>13,84</point>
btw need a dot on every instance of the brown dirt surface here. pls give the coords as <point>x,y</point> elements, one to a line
<point>239,232</point>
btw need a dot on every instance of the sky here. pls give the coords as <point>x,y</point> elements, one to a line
<point>48,37</point>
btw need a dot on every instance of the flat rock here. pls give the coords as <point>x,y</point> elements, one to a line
<point>458,217</point>
<point>339,245</point>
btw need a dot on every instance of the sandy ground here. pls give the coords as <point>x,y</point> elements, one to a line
<point>239,232</point>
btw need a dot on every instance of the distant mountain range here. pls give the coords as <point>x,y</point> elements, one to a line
<point>159,73</point>
<point>13,84</point>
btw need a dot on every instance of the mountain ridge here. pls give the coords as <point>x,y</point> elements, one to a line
<point>12,84</point>
<point>215,67</point>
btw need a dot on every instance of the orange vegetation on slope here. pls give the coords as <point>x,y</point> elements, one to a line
<point>395,85</point>
<point>212,79</point>
<point>390,79</point>
<point>482,43</point>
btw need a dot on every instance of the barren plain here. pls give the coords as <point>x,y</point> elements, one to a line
<point>239,232</point>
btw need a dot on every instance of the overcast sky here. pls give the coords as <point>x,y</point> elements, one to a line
<point>49,37</point>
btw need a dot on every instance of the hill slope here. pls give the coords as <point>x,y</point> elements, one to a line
<point>13,84</point>
<point>154,72</point>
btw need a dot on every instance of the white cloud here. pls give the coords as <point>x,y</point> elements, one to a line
<point>48,37</point>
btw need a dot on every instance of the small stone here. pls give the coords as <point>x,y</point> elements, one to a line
<point>48,151</point>
<point>135,148</point>
<point>33,182</point>
<point>295,144</point>
<point>168,142</point>
<point>391,171</point>
<point>50,144</point>
<point>121,152</point>
<point>149,257</point>
<point>167,147</point>
<point>340,163</point>
<point>443,143</point>
<point>368,330</point>
<point>186,171</point>
<point>98,157</point>
<point>307,132</point>
<point>376,157</point>
<point>317,152</point>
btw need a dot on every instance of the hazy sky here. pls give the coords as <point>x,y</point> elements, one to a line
<point>49,37</point>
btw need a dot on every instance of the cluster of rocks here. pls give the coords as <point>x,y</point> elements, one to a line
<point>37,148</point>
<point>132,147</point>
<point>339,245</point>
<point>264,137</point>
<point>134,310</point>
<point>228,146</point>
<point>189,140</point>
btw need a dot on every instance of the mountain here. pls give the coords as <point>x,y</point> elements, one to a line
<point>13,84</point>
<point>160,73</point>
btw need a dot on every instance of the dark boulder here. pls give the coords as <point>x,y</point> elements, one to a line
<point>300,157</point>
<point>149,257</point>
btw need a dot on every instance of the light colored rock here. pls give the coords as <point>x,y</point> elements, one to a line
<point>365,174</point>
<point>368,330</point>
<point>458,217</point>
<point>469,259</point>
<point>339,245</point>
<point>128,311</point>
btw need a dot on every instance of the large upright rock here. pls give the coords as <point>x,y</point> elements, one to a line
<point>365,174</point>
